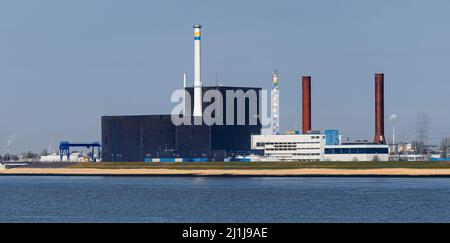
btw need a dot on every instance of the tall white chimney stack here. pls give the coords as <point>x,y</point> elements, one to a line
<point>184,92</point>
<point>198,108</point>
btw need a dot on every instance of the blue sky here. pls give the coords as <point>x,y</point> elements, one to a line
<point>65,63</point>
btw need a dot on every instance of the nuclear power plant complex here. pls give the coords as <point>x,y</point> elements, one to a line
<point>156,138</point>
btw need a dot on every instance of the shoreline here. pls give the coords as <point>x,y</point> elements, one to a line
<point>226,176</point>
<point>390,172</point>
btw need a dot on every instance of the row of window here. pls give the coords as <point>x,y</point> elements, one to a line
<point>281,143</point>
<point>295,154</point>
<point>285,146</point>
<point>280,149</point>
<point>275,154</point>
<point>356,150</point>
<point>317,137</point>
<point>290,149</point>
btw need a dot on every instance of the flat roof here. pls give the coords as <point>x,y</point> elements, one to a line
<point>136,116</point>
<point>356,145</point>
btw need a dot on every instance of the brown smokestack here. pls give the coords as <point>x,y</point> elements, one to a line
<point>379,109</point>
<point>306,104</point>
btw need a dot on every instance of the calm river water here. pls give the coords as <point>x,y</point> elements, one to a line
<point>227,199</point>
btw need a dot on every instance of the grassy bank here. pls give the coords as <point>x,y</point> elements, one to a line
<point>265,165</point>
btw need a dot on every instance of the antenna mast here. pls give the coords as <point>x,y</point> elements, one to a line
<point>275,104</point>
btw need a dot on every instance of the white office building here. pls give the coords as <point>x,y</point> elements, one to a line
<point>307,147</point>
<point>316,146</point>
<point>356,152</point>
